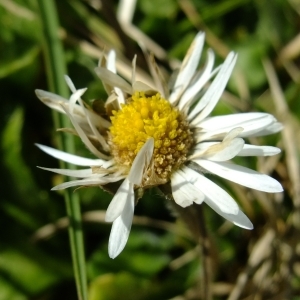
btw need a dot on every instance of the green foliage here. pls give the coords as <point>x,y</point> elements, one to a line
<point>160,261</point>
<point>159,9</point>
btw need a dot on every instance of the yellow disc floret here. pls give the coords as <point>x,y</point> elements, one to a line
<point>147,116</point>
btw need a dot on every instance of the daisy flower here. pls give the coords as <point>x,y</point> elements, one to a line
<point>155,135</point>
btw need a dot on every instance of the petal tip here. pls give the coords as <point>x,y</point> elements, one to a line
<point>109,218</point>
<point>112,255</point>
<point>38,92</point>
<point>279,188</point>
<point>250,227</point>
<point>247,224</point>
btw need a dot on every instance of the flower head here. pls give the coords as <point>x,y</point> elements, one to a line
<point>154,135</point>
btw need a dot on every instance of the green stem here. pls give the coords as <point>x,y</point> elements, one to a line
<point>56,69</point>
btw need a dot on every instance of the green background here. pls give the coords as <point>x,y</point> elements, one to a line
<point>161,259</point>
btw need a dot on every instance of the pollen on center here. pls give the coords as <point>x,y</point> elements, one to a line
<point>146,116</point>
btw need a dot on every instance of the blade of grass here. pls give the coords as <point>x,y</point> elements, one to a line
<point>56,69</point>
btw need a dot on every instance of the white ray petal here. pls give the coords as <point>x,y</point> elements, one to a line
<point>74,98</point>
<point>120,96</point>
<point>214,92</point>
<point>188,67</point>
<point>251,150</point>
<point>201,148</point>
<point>239,219</point>
<point>121,228</point>
<point>225,150</point>
<point>70,83</point>
<point>201,137</point>
<point>84,137</point>
<point>243,120</point>
<point>222,199</point>
<point>220,151</point>
<point>94,130</point>
<point>90,181</point>
<point>194,89</point>
<point>183,191</point>
<point>112,79</point>
<point>52,100</point>
<point>111,61</point>
<point>190,178</point>
<point>251,127</point>
<point>141,87</point>
<point>133,69</point>
<point>77,96</point>
<point>72,173</point>
<point>159,80</point>
<point>235,132</point>
<point>96,133</point>
<point>141,162</point>
<point>270,129</point>
<point>71,158</point>
<point>111,66</point>
<point>242,175</point>
<point>55,102</point>
<point>204,146</point>
<point>80,112</point>
<point>118,202</point>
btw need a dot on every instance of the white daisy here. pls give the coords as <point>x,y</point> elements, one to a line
<point>156,135</point>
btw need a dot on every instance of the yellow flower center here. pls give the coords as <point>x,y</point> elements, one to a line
<point>147,116</point>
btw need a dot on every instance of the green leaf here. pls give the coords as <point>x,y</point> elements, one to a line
<point>250,55</point>
<point>25,273</point>
<point>117,286</point>
<point>20,62</point>
<point>159,9</point>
